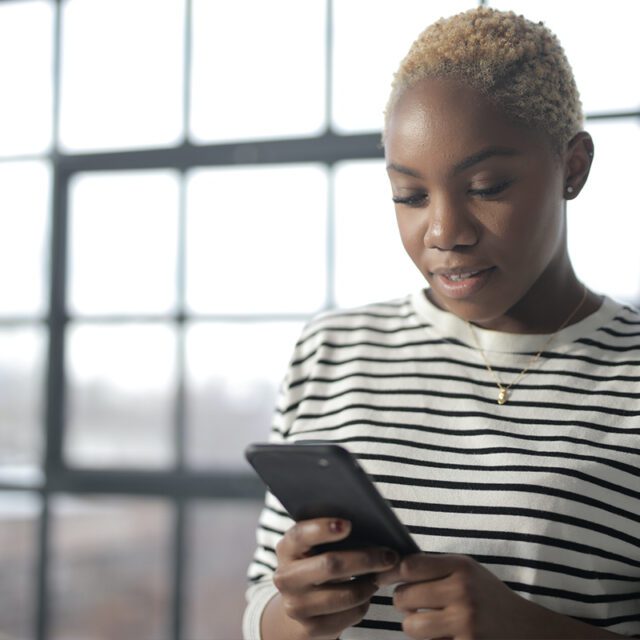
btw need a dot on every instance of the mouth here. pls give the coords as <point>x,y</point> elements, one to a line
<point>461,283</point>
<point>463,275</point>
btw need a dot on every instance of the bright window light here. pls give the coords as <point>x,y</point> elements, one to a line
<point>123,242</point>
<point>233,373</point>
<point>24,232</point>
<point>122,74</point>
<point>22,360</point>
<point>256,239</point>
<point>120,395</point>
<point>26,74</point>
<point>371,263</point>
<point>258,69</point>
<point>369,41</point>
<point>604,220</point>
<point>604,66</point>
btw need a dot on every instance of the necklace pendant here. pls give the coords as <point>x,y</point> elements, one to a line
<point>502,396</point>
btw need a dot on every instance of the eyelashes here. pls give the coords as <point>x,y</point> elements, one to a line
<point>490,191</point>
<point>412,201</point>
<point>420,198</point>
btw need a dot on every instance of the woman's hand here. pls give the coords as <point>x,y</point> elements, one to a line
<point>451,596</point>
<point>454,597</point>
<point>330,591</point>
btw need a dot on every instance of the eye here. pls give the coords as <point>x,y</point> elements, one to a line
<point>490,191</point>
<point>414,200</point>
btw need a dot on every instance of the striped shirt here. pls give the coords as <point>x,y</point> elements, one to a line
<point>544,491</point>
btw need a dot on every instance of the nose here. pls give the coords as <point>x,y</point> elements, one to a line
<point>449,225</point>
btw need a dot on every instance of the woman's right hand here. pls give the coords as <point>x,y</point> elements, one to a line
<point>328,592</point>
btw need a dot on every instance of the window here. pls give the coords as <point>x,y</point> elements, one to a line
<point>181,189</point>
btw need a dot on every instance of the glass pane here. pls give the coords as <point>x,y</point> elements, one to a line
<point>122,73</point>
<point>600,66</point>
<point>233,373</point>
<point>371,264</point>
<point>18,552</point>
<point>121,395</point>
<point>369,41</point>
<point>22,359</point>
<point>220,543</point>
<point>26,46</point>
<point>24,220</point>
<point>258,69</point>
<point>109,569</point>
<point>256,239</point>
<point>123,242</point>
<point>604,221</point>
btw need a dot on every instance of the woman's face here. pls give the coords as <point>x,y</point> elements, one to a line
<point>479,204</point>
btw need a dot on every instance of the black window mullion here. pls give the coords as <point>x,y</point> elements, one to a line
<point>41,617</point>
<point>186,76</point>
<point>179,501</point>
<point>178,485</point>
<point>178,570</point>
<point>53,408</point>
<point>54,405</point>
<point>329,66</point>
<point>180,321</point>
<point>55,389</point>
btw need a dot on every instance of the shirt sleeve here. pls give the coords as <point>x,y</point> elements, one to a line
<point>258,596</point>
<point>274,520</point>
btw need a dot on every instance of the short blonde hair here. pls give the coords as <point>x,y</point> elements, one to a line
<point>517,64</point>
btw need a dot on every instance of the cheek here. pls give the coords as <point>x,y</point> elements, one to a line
<point>530,233</point>
<point>411,233</point>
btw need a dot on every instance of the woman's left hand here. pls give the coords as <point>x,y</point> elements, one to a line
<point>452,596</point>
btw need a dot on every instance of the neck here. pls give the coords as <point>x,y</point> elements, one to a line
<point>550,303</point>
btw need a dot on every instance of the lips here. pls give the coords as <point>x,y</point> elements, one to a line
<point>461,282</point>
<point>457,277</point>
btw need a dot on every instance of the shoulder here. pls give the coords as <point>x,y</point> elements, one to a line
<point>385,323</point>
<point>624,324</point>
<point>618,334</point>
<point>377,317</point>
<point>620,315</point>
<point>628,314</point>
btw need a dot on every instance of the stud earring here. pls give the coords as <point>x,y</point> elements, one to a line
<point>569,189</point>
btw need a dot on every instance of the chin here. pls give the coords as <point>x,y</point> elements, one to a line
<point>484,313</point>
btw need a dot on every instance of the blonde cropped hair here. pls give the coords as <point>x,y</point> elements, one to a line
<point>517,64</point>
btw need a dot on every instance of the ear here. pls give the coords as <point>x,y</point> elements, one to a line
<point>577,164</point>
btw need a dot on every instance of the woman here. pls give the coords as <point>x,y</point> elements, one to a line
<point>498,409</point>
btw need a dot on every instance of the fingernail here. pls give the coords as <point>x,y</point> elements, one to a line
<point>389,557</point>
<point>336,526</point>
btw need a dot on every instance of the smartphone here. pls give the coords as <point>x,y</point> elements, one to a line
<point>314,480</point>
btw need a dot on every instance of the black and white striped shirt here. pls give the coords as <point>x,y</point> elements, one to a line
<point>544,491</point>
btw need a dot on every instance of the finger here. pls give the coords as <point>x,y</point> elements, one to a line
<point>298,541</point>
<point>435,594</point>
<point>332,625</point>
<point>421,567</point>
<point>443,623</point>
<point>332,566</point>
<point>330,599</point>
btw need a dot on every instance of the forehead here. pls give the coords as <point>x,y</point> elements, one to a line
<point>450,120</point>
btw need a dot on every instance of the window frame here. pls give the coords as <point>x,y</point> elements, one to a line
<point>180,484</point>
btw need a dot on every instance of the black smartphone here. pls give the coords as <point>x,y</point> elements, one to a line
<point>314,480</point>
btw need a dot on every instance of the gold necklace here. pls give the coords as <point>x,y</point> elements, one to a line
<point>503,392</point>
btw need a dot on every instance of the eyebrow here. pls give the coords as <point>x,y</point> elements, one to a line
<point>489,152</point>
<point>468,162</point>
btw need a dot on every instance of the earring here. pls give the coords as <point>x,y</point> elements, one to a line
<point>569,189</point>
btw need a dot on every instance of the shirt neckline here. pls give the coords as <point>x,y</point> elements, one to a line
<point>450,326</point>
